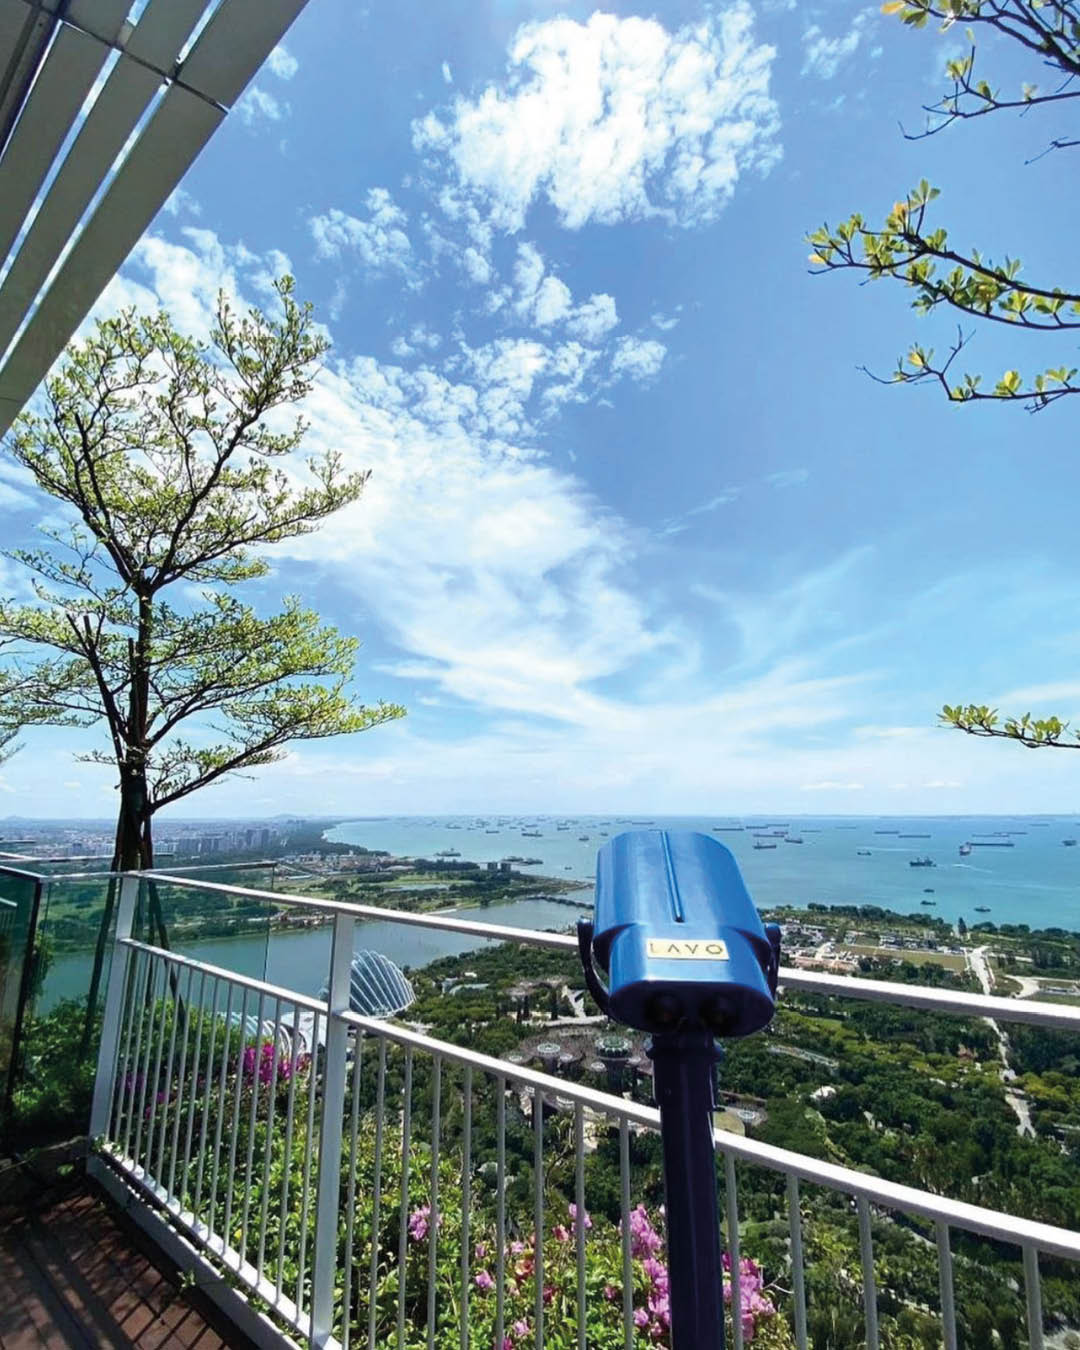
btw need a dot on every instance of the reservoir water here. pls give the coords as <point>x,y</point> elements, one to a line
<point>300,960</point>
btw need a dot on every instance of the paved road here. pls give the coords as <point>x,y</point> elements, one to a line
<point>978,962</point>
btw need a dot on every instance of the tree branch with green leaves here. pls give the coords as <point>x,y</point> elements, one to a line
<point>908,249</point>
<point>1033,732</point>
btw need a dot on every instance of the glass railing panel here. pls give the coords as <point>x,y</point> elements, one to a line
<point>19,914</point>
<point>61,1023</point>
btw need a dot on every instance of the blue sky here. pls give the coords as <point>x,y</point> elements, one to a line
<point>639,535</point>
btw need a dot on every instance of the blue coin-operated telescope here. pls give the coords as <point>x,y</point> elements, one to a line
<point>687,959</point>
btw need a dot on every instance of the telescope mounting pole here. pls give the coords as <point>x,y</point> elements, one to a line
<point>683,1085</point>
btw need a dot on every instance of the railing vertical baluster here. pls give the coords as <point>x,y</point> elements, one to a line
<point>141,995</point>
<point>1033,1293</point>
<point>268,1154</point>
<point>286,1171</point>
<point>324,1257</point>
<point>309,1149</point>
<point>179,1111</point>
<point>500,1208</point>
<point>350,1201</point>
<point>731,1205</point>
<point>466,1200</point>
<point>256,1066</point>
<point>376,1199</point>
<point>194,1093</point>
<point>866,1250</point>
<point>433,1216</point>
<point>538,1215</point>
<point>144,1071</point>
<point>945,1283</point>
<point>155,1079</point>
<point>627,1266</point>
<point>170,982</point>
<point>579,1226</point>
<point>108,1060</point>
<point>123,1073</point>
<point>177,1004</point>
<point>798,1275</point>
<point>222,1082</point>
<point>208,1092</point>
<point>403,1223</point>
<point>234,1134</point>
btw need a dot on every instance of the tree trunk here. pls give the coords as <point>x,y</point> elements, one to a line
<point>132,851</point>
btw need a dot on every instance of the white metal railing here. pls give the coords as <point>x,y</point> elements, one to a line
<point>286,1167</point>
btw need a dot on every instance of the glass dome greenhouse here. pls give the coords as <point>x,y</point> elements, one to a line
<point>378,988</point>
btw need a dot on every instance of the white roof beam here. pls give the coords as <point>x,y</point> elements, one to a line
<point>127,93</point>
<point>235,42</point>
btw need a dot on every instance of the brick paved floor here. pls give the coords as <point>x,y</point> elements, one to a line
<point>73,1273</point>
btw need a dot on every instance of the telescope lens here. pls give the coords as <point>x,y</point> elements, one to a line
<point>716,1015</point>
<point>663,1011</point>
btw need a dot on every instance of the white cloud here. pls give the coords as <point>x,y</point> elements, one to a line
<point>639,358</point>
<point>823,56</point>
<point>615,119</point>
<point>594,318</point>
<point>420,338</point>
<point>282,63</point>
<point>259,106</point>
<point>380,241</point>
<point>181,200</point>
<point>830,785</point>
<point>446,74</point>
<point>541,298</point>
<point>785,478</point>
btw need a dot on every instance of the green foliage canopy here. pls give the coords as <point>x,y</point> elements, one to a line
<point>171,455</point>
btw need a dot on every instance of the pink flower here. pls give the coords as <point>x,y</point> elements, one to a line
<point>657,1274</point>
<point>610,1293</point>
<point>584,1214</point>
<point>644,1239</point>
<point>641,1317</point>
<point>481,1251</point>
<point>549,1293</point>
<point>483,1280</point>
<point>418,1223</point>
<point>560,1234</point>
<point>516,1248</point>
<point>660,1309</point>
<point>520,1329</point>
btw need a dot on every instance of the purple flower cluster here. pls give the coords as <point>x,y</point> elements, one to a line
<point>654,1317</point>
<point>753,1304</point>
<point>419,1222</point>
<point>272,1065</point>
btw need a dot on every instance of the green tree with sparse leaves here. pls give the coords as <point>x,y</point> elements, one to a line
<point>910,249</point>
<point>173,462</point>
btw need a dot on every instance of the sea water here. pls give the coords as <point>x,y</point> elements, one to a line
<point>1036,881</point>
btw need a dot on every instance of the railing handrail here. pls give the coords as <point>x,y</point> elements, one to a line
<point>108,874</point>
<point>956,1002</point>
<point>497,932</point>
<point>995,1224</point>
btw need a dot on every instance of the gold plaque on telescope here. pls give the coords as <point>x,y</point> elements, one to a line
<point>687,949</point>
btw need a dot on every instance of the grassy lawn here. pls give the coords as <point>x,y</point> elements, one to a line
<point>956,963</point>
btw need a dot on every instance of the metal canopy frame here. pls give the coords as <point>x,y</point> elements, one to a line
<point>100,118</point>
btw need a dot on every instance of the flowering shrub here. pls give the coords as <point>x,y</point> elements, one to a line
<point>650,1294</point>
